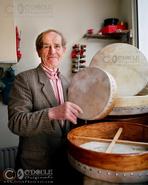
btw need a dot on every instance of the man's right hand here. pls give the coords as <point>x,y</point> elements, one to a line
<point>66,111</point>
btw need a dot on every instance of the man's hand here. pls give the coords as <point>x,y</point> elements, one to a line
<point>66,111</point>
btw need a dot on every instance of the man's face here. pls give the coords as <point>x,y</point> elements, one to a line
<point>52,51</point>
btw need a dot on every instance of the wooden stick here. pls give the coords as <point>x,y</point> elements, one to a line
<point>117,135</point>
<point>109,140</point>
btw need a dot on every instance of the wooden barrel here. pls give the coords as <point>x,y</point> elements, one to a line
<point>94,90</point>
<point>127,65</point>
<point>126,163</point>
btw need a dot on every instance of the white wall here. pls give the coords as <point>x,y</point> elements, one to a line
<point>73,18</point>
<point>125,12</point>
<point>143,26</point>
<point>8,40</point>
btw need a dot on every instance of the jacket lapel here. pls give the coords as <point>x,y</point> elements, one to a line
<point>49,94</point>
<point>65,87</point>
<point>46,87</point>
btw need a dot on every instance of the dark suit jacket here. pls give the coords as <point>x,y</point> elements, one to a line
<point>41,140</point>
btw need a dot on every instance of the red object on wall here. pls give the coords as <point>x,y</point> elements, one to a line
<point>75,51</point>
<point>108,29</point>
<point>112,28</point>
<point>18,52</point>
<point>78,57</point>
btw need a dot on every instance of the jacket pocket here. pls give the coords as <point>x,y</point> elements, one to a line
<point>34,159</point>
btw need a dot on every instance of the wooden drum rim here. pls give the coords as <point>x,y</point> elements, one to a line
<point>111,101</point>
<point>130,105</point>
<point>97,111</point>
<point>109,175</point>
<point>126,63</point>
<point>109,161</point>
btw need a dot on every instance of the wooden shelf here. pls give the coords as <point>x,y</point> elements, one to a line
<point>123,36</point>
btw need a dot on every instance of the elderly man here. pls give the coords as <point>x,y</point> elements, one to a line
<point>40,113</point>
